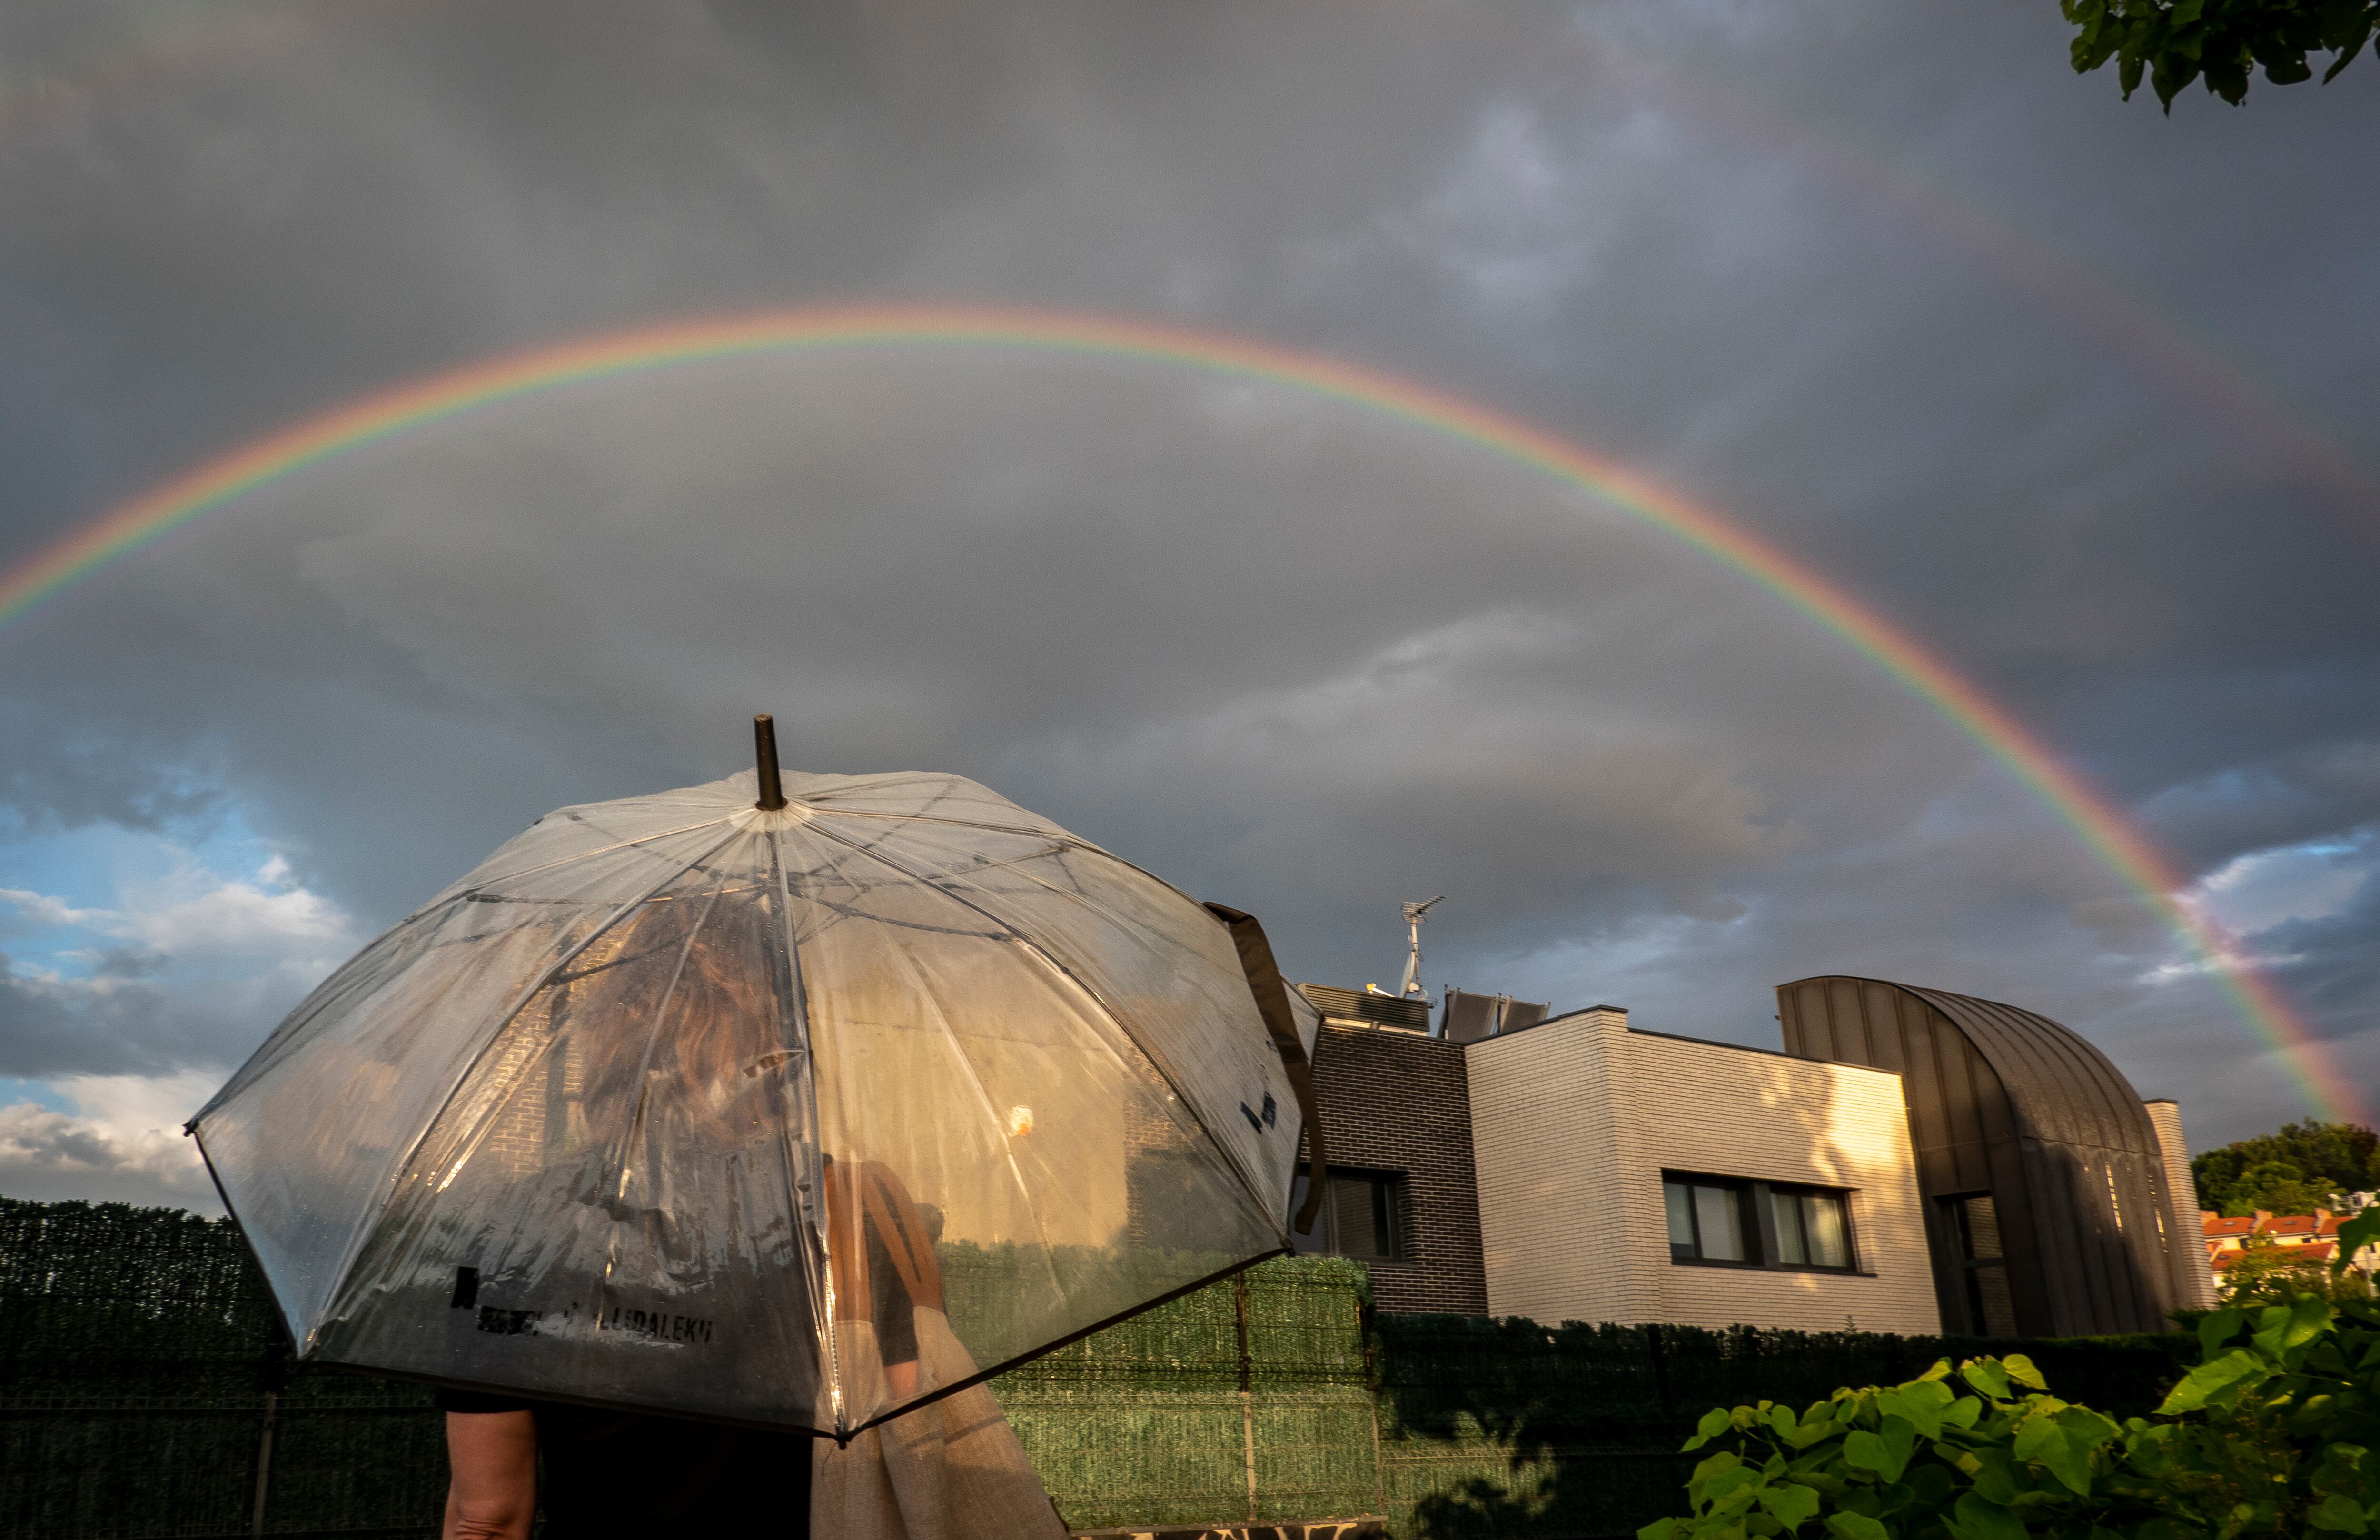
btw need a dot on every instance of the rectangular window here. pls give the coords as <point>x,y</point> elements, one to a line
<point>1364,1216</point>
<point>1975,1221</point>
<point>1811,1229</point>
<point>1757,1224</point>
<point>1707,1220</point>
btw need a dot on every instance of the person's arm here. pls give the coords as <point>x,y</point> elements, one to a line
<point>491,1494</point>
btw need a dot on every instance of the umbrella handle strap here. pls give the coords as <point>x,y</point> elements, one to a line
<point>1272,1003</point>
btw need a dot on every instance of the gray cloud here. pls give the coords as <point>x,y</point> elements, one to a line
<point>1833,272</point>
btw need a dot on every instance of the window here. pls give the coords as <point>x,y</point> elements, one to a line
<point>1974,1226</point>
<point>1364,1216</point>
<point>1719,1221</point>
<point>1813,1231</point>
<point>1706,1221</point>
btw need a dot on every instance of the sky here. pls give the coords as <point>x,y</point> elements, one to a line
<point>2062,386</point>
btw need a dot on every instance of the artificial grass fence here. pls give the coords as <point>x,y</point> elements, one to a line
<point>143,1393</point>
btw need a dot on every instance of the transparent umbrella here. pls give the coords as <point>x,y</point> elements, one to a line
<point>794,1106</point>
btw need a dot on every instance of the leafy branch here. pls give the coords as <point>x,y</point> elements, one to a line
<point>2176,41</point>
<point>2269,1433</point>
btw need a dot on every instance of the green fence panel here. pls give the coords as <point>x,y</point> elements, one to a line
<point>139,1361</point>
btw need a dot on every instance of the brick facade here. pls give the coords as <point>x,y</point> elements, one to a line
<point>1398,1102</point>
<point>1578,1118</point>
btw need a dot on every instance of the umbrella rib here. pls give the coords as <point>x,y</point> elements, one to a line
<point>1084,901</point>
<point>644,1099</point>
<point>819,1286</point>
<point>566,860</point>
<point>1054,833</point>
<point>1048,833</point>
<point>983,1100</point>
<point>1106,1008</point>
<point>544,976</point>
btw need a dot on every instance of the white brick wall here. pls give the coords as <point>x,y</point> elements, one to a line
<point>2193,1274</point>
<point>1573,1123</point>
<point>1551,1150</point>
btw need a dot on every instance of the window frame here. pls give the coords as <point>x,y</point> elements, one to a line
<point>1958,1222</point>
<point>1325,1233</point>
<point>1760,1233</point>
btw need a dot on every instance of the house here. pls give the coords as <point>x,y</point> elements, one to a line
<point>2312,1238</point>
<point>1911,1161</point>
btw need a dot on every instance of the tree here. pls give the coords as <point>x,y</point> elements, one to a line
<point>2292,1171</point>
<point>2176,41</point>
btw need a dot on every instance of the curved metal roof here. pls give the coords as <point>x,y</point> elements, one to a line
<point>2061,1087</point>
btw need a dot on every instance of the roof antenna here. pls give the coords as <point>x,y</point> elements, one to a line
<point>1411,988</point>
<point>764,745</point>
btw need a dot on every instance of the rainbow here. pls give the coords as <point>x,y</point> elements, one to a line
<point>59,566</point>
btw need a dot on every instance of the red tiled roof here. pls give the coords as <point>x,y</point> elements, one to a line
<point>2278,1225</point>
<point>2312,1251</point>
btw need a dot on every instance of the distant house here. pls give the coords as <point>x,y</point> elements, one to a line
<point>1915,1161</point>
<point>2312,1238</point>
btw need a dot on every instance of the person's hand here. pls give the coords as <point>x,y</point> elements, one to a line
<point>491,1494</point>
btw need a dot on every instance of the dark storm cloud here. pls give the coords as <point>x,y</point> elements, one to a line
<point>1281,650</point>
<point>47,1028</point>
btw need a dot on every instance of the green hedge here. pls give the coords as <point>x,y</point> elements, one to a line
<point>138,1352</point>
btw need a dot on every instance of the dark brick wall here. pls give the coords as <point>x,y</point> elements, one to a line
<point>1394,1101</point>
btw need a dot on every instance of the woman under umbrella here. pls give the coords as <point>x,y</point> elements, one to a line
<point>788,1111</point>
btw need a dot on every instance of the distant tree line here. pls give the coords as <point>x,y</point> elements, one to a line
<point>2294,1171</point>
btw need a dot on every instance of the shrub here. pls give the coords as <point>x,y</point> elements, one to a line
<point>2268,1434</point>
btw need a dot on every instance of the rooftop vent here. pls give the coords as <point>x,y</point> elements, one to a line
<point>1356,1005</point>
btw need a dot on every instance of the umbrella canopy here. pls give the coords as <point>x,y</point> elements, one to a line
<point>794,1116</point>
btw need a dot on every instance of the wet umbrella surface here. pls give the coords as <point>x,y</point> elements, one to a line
<point>795,1117</point>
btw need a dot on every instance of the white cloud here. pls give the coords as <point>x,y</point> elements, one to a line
<point>185,968</point>
<point>2265,888</point>
<point>123,1143</point>
<point>42,909</point>
<point>194,913</point>
<point>236,917</point>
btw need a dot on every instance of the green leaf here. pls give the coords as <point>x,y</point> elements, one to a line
<point>2036,1435</point>
<point>1995,1476</point>
<point>1717,1420</point>
<point>2020,1368</point>
<point>1921,1402</point>
<point>1867,1451</point>
<point>1781,1419</point>
<point>1986,1375</point>
<point>2308,1319</point>
<point>1900,1439</point>
<point>1661,1529</point>
<point>2340,1512</point>
<point>2211,1378</point>
<point>1791,1505</point>
<point>1978,1518</point>
<point>1962,1412</point>
<point>1857,1526</point>
<point>2217,1330</point>
<point>2049,1441</point>
<point>2069,1464</point>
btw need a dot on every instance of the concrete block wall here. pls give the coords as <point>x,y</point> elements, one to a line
<point>2194,1275</point>
<point>1718,1109</point>
<point>1576,1118</point>
<point>1555,1151</point>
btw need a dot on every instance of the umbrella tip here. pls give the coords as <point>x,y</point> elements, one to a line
<point>764,746</point>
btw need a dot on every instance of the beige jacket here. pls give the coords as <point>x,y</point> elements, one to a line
<point>950,1470</point>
